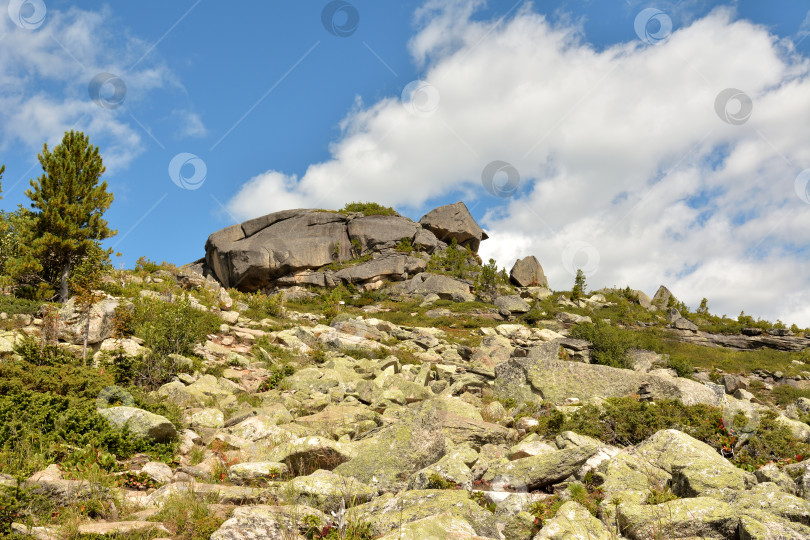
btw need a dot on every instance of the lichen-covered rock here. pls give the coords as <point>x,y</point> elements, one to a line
<point>140,423</point>
<point>769,498</point>
<point>535,472</point>
<point>630,479</point>
<point>207,418</point>
<point>386,461</point>
<point>307,454</point>
<point>555,380</point>
<point>701,517</point>
<point>204,392</point>
<point>512,303</point>
<point>389,512</point>
<point>257,473</point>
<point>326,490</point>
<point>453,468</point>
<point>573,522</point>
<point>265,523</point>
<point>441,527</point>
<point>338,420</point>
<point>696,468</point>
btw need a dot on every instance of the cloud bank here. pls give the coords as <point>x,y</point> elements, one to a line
<point>628,166</point>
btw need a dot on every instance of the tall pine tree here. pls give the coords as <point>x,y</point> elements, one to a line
<point>69,200</point>
<point>2,170</point>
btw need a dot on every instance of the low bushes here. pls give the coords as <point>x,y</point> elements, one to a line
<point>627,421</point>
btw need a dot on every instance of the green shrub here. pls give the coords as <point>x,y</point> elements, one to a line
<point>48,415</point>
<point>277,375</point>
<point>13,306</point>
<point>610,344</point>
<point>456,261</point>
<point>172,327</point>
<point>368,209</point>
<point>34,352</point>
<point>405,246</point>
<point>261,306</point>
<point>683,366</point>
<point>188,518</point>
<point>627,421</point>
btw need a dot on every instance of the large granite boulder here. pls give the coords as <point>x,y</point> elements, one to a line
<point>251,255</point>
<point>527,272</point>
<point>292,247</point>
<point>454,222</point>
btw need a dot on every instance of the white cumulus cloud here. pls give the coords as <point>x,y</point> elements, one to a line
<point>619,148</point>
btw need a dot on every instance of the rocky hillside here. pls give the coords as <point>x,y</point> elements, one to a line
<point>352,376</point>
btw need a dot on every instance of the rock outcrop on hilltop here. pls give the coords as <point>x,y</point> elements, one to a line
<point>316,247</point>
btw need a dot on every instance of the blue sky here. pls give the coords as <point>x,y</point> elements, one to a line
<point>626,168</point>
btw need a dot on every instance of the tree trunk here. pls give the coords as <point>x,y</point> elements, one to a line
<point>63,289</point>
<point>86,331</point>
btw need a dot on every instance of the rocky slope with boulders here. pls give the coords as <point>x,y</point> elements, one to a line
<point>425,412</point>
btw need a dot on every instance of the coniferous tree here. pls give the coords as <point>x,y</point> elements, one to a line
<point>2,170</point>
<point>69,200</point>
<point>579,285</point>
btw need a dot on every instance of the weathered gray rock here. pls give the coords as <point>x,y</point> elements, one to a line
<point>266,523</point>
<point>512,303</point>
<point>375,233</point>
<point>684,324</point>
<point>696,468</point>
<point>454,222</point>
<point>445,287</point>
<point>387,460</point>
<point>661,297</point>
<point>252,255</point>
<point>390,512</point>
<point>307,454</point>
<point>391,267</point>
<point>257,473</point>
<point>542,373</point>
<point>140,423</point>
<point>326,490</point>
<point>573,522</point>
<point>701,517</point>
<point>73,321</point>
<point>527,272</point>
<point>534,472</point>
